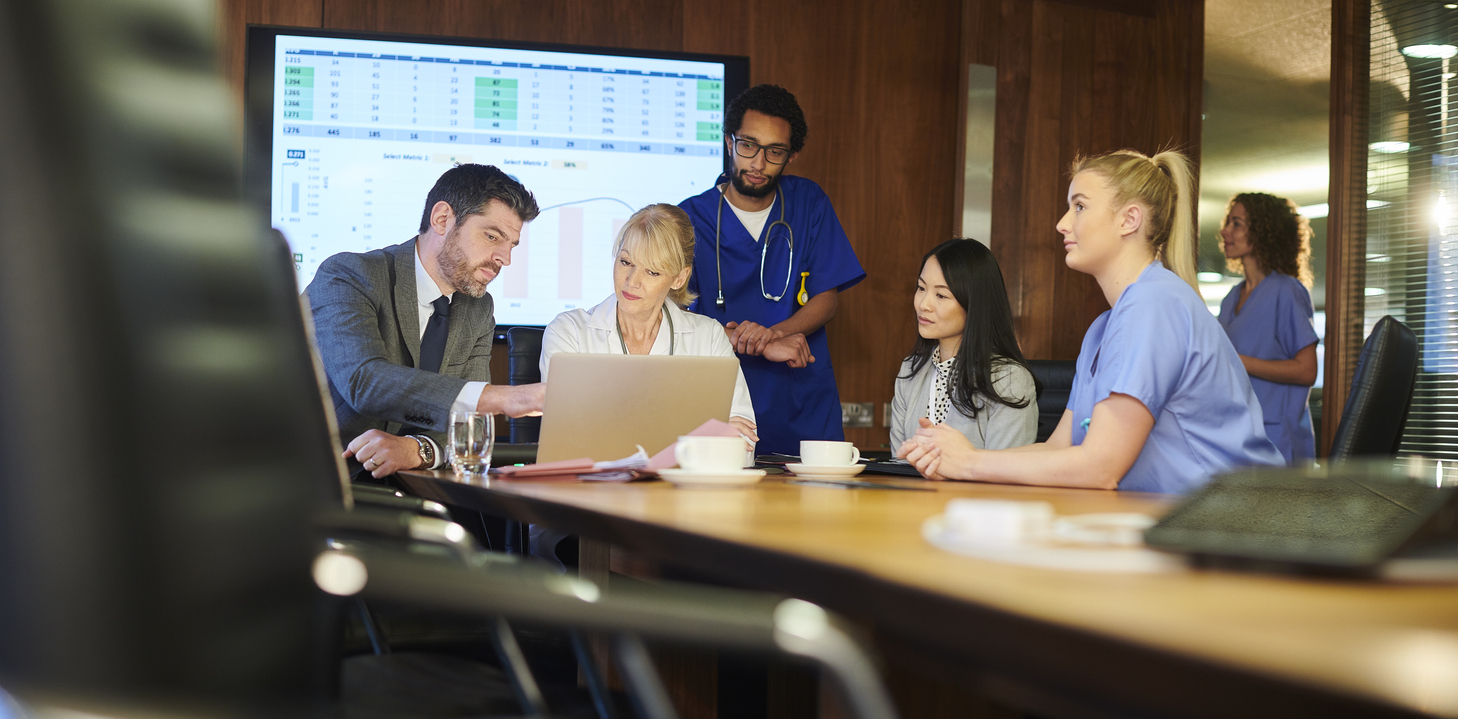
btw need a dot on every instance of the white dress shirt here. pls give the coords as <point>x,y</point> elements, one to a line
<point>426,293</point>
<point>595,331</point>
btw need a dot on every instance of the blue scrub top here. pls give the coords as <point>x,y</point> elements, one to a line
<point>1161,346</point>
<point>1275,324</point>
<point>789,404</point>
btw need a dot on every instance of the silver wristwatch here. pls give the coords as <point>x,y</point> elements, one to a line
<point>427,452</point>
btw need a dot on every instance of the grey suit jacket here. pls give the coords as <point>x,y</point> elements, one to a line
<point>368,330</point>
<point>997,426</point>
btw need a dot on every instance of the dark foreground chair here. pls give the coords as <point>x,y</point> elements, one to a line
<point>1055,379</point>
<point>1377,406</point>
<point>172,504</point>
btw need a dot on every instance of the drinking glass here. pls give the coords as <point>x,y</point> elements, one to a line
<point>471,437</point>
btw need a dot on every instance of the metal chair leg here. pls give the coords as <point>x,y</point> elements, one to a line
<point>528,694</point>
<point>645,687</point>
<point>596,686</point>
<point>372,628</point>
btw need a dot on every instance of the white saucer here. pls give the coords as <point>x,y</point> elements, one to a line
<point>731,478</point>
<point>845,470</point>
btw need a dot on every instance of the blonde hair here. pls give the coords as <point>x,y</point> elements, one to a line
<point>1163,184</point>
<point>661,238</point>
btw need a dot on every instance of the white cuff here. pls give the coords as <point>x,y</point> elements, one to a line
<point>469,398</point>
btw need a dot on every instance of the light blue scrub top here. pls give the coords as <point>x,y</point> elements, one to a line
<point>789,404</point>
<point>1161,346</point>
<point>1275,324</point>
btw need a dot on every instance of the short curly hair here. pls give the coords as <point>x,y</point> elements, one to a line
<point>771,100</point>
<point>1280,237</point>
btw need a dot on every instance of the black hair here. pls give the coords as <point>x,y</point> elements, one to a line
<point>988,340</point>
<point>468,188</point>
<point>771,100</point>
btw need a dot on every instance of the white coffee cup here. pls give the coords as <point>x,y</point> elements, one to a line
<point>710,454</point>
<point>818,453</point>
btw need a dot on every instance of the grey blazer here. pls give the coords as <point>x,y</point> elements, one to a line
<point>997,426</point>
<point>368,330</point>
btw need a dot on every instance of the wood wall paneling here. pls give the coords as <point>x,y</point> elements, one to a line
<point>1346,245</point>
<point>641,24</point>
<point>1078,78</point>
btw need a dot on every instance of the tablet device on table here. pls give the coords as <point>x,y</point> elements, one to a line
<point>604,406</point>
<point>1337,520</point>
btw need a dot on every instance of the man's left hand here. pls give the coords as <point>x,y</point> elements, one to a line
<point>384,454</point>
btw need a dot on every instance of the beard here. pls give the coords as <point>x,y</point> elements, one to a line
<point>459,271</point>
<point>748,190</point>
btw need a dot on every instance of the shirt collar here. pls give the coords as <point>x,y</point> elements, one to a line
<point>426,291</point>
<point>942,366</point>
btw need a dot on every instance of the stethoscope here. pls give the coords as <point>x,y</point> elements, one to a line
<point>763,251</point>
<point>666,314</point>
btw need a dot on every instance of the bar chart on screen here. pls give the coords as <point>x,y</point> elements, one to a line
<point>564,260</point>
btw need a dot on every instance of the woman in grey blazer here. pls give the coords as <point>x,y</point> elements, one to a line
<point>965,370</point>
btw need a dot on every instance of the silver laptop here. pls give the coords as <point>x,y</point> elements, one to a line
<point>603,406</point>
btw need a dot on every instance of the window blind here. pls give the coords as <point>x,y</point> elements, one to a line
<point>1411,194</point>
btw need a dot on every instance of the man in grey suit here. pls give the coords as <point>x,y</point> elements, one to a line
<point>405,331</point>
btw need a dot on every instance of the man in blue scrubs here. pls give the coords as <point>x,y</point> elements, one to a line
<point>770,261</point>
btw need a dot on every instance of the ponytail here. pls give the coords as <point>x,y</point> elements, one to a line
<point>1179,250</point>
<point>1164,185</point>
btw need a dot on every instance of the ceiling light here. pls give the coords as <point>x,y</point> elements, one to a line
<point>1209,277</point>
<point>1451,6</point>
<point>1378,258</point>
<point>1430,52</point>
<point>1321,209</point>
<point>1375,292</point>
<point>1389,147</point>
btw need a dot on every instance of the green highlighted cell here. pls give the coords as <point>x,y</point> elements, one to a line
<point>502,82</point>
<point>711,105</point>
<point>301,71</point>
<point>715,85</point>
<point>708,131</point>
<point>494,104</point>
<point>306,104</point>
<point>496,114</point>
<point>295,81</point>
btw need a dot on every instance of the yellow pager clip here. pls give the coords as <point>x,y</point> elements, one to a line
<point>804,296</point>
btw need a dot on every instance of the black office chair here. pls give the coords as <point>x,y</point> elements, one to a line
<point>524,356</point>
<point>170,476</point>
<point>1055,382</point>
<point>1377,406</point>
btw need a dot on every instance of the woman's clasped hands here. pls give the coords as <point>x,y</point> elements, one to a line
<point>939,451</point>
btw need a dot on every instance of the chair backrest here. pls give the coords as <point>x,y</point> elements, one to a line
<point>1055,379</point>
<point>524,355</point>
<point>162,458</point>
<point>1376,409</point>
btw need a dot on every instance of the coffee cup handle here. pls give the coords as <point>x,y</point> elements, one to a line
<point>681,452</point>
<point>855,455</point>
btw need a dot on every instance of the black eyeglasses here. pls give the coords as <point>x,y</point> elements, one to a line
<point>747,149</point>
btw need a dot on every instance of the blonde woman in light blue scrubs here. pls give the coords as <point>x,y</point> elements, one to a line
<point>1160,401</point>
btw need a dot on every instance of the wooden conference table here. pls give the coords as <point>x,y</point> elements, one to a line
<point>1060,643</point>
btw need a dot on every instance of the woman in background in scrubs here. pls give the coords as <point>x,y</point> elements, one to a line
<point>1268,315</point>
<point>1160,401</point>
<point>966,369</point>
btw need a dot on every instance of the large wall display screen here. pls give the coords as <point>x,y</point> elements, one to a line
<point>349,132</point>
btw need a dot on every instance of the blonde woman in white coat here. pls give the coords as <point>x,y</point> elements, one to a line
<point>652,261</point>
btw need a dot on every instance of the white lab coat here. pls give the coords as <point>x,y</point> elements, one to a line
<point>595,331</point>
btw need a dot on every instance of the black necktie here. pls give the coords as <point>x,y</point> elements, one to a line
<point>432,344</point>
